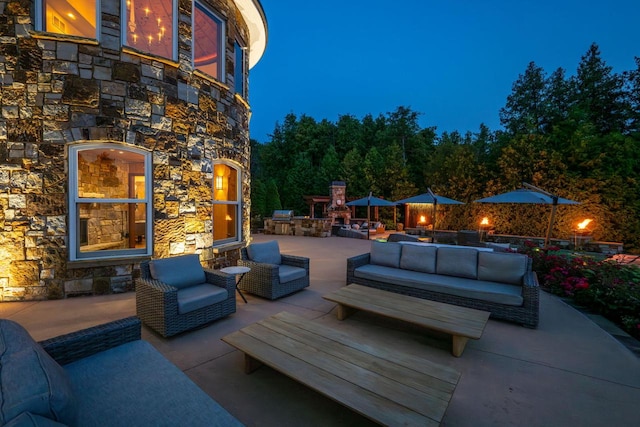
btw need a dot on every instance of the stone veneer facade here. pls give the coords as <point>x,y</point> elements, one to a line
<point>56,91</point>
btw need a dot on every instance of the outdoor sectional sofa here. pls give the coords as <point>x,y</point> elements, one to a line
<point>100,376</point>
<point>500,283</point>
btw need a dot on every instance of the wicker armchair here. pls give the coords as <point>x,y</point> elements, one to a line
<point>273,275</point>
<point>176,294</point>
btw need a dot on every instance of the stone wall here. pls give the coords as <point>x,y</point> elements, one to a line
<point>58,90</point>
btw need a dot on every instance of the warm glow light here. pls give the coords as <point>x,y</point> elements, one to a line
<point>146,11</point>
<point>422,218</point>
<point>219,182</point>
<point>71,15</point>
<point>582,225</point>
<point>228,218</point>
<point>135,38</point>
<point>485,221</point>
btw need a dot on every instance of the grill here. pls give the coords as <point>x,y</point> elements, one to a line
<point>282,215</point>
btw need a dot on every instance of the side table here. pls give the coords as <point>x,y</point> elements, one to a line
<point>237,271</point>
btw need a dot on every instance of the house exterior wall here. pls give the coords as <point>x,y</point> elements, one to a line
<point>57,91</point>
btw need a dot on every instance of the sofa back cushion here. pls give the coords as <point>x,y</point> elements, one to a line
<point>385,253</point>
<point>179,271</point>
<point>418,258</point>
<point>502,267</point>
<point>267,252</point>
<point>30,380</point>
<point>460,262</point>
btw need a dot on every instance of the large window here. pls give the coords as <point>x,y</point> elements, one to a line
<point>239,69</point>
<point>149,26</point>
<point>208,47</point>
<point>110,201</point>
<point>226,204</point>
<point>72,17</point>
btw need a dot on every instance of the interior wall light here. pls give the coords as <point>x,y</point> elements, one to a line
<point>219,182</point>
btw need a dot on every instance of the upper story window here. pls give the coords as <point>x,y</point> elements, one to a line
<point>70,17</point>
<point>208,46</point>
<point>150,26</point>
<point>109,201</point>
<point>239,69</point>
<point>226,204</point>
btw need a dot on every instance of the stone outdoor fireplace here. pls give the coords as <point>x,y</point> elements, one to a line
<point>338,211</point>
<point>124,136</point>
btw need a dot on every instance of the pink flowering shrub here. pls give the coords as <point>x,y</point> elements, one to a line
<point>602,286</point>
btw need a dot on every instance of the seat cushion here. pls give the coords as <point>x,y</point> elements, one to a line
<point>287,273</point>
<point>418,258</point>
<point>459,262</point>
<point>27,419</point>
<point>179,271</point>
<point>267,252</point>
<point>30,380</point>
<point>500,293</point>
<point>198,296</point>
<point>502,267</point>
<point>385,253</point>
<point>134,385</point>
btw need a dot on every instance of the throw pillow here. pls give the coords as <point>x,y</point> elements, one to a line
<point>418,258</point>
<point>30,380</point>
<point>502,267</point>
<point>459,262</point>
<point>386,254</point>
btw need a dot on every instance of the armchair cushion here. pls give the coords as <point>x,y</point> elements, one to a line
<point>31,380</point>
<point>288,273</point>
<point>199,296</point>
<point>267,252</point>
<point>180,271</point>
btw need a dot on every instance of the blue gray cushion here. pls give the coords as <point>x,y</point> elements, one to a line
<point>287,273</point>
<point>199,296</point>
<point>27,419</point>
<point>134,385</point>
<point>385,253</point>
<point>419,258</point>
<point>500,293</point>
<point>267,252</point>
<point>179,271</point>
<point>459,262</point>
<point>502,267</point>
<point>30,380</point>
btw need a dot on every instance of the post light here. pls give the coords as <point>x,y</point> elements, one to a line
<point>422,219</point>
<point>583,225</point>
<point>485,221</point>
<point>219,182</point>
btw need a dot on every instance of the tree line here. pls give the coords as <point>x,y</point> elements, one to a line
<point>575,136</point>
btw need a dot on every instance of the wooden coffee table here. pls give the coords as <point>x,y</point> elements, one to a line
<point>371,378</point>
<point>461,322</point>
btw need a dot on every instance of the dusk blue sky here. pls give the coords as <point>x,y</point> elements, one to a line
<point>453,61</point>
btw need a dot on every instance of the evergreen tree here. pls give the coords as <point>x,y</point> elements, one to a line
<point>524,111</point>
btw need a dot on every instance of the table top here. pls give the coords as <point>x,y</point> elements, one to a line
<point>235,270</point>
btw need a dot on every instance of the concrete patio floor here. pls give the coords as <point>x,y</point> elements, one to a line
<point>568,372</point>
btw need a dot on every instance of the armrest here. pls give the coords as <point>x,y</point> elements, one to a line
<point>295,261</point>
<point>258,267</point>
<point>86,342</point>
<point>358,260</point>
<point>155,295</point>
<point>222,280</point>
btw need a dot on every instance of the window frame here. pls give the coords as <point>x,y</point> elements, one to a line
<point>174,31</point>
<point>40,21</point>
<point>222,40</point>
<point>74,229</point>
<point>238,203</point>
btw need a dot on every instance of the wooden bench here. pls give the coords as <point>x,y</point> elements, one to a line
<point>373,379</point>
<point>461,322</point>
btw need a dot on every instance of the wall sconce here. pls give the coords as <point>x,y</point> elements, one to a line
<point>228,217</point>
<point>219,182</point>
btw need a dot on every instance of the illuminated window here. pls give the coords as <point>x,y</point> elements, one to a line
<point>226,204</point>
<point>208,47</point>
<point>110,201</point>
<point>239,69</point>
<point>72,17</point>
<point>149,26</point>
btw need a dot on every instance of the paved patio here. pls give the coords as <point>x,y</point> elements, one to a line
<point>568,372</point>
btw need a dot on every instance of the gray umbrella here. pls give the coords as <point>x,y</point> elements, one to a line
<point>368,202</point>
<point>533,195</point>
<point>430,197</point>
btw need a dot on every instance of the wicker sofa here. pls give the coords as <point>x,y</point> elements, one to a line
<point>176,294</point>
<point>100,376</point>
<point>501,283</point>
<point>273,275</point>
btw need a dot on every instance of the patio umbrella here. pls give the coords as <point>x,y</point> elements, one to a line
<point>533,195</point>
<point>430,197</point>
<point>368,202</point>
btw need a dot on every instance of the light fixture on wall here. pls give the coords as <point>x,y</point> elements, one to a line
<point>219,182</point>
